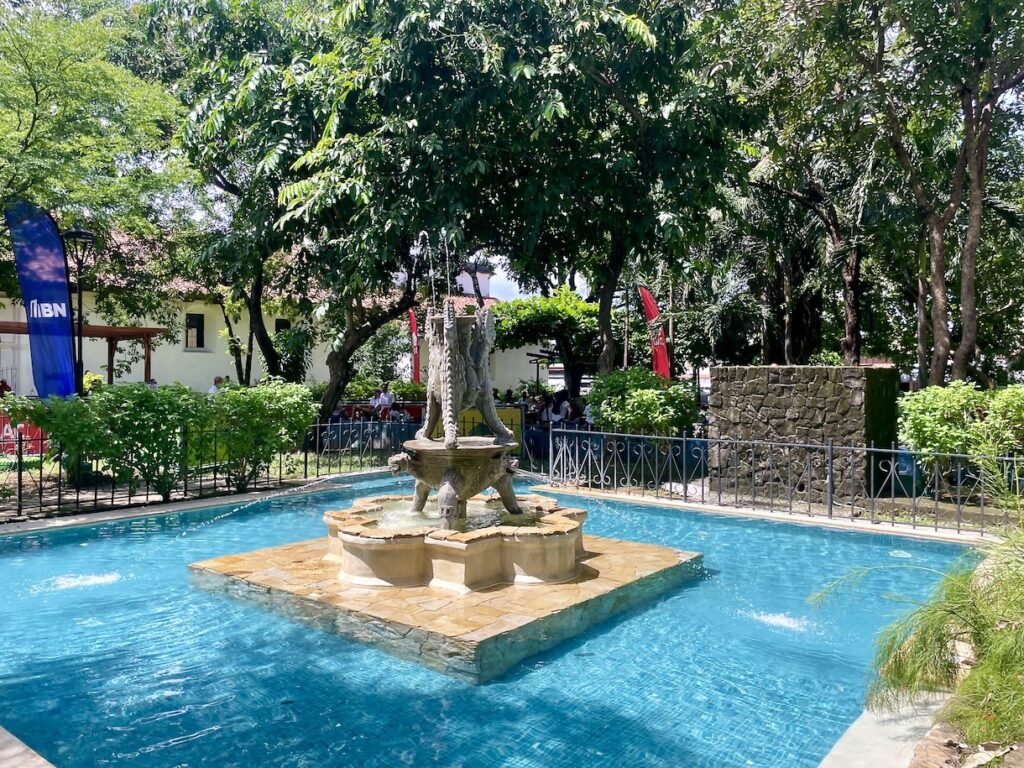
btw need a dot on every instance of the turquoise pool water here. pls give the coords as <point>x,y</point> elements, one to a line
<point>109,656</point>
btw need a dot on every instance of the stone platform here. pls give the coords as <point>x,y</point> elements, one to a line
<point>476,636</point>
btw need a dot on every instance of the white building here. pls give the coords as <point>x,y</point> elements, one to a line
<point>199,351</point>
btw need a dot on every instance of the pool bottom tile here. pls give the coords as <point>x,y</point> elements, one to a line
<point>476,637</point>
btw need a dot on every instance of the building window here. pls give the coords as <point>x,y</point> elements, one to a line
<point>194,327</point>
<point>280,324</point>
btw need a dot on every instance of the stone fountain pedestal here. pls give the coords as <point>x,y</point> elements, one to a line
<point>458,473</point>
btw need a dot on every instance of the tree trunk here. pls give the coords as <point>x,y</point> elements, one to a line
<point>248,359</point>
<point>234,345</point>
<point>851,305</point>
<point>472,269</point>
<point>963,359</point>
<point>940,301</point>
<point>923,331</point>
<point>606,296</point>
<point>258,326</point>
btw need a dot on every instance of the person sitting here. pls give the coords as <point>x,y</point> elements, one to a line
<point>559,408</point>
<point>218,383</point>
<point>509,398</point>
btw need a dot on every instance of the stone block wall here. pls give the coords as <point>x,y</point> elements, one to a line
<point>852,407</point>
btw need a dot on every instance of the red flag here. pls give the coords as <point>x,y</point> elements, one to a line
<point>659,352</point>
<point>414,332</point>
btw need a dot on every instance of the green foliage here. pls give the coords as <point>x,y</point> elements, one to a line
<point>295,348</point>
<point>381,357</point>
<point>534,388</point>
<point>364,388</point>
<point>1003,425</point>
<point>637,401</point>
<point>942,419</point>
<point>562,315</point>
<point>70,423</point>
<point>76,128</point>
<point>140,431</point>
<point>983,607</point>
<point>153,435</point>
<point>361,388</point>
<point>825,357</point>
<point>254,424</point>
<point>409,391</point>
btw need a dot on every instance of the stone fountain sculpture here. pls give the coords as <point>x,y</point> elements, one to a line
<point>458,378</point>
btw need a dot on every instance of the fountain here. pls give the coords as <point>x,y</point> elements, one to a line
<point>466,584</point>
<point>458,378</point>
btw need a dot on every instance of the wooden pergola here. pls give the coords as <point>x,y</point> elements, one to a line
<point>113,334</point>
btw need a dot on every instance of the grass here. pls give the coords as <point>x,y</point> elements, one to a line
<point>983,607</point>
<point>977,606</point>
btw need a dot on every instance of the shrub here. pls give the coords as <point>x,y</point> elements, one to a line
<point>69,423</point>
<point>254,424</point>
<point>534,388</point>
<point>636,401</point>
<point>361,388</point>
<point>141,431</point>
<point>942,419</point>
<point>825,357</point>
<point>409,391</point>
<point>1003,425</point>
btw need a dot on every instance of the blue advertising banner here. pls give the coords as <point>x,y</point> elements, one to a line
<point>43,277</point>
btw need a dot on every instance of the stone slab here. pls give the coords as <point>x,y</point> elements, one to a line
<point>477,636</point>
<point>16,754</point>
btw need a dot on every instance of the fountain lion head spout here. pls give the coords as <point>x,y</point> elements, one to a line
<point>459,467</point>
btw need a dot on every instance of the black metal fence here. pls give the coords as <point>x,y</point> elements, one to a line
<point>42,479</point>
<point>955,492</point>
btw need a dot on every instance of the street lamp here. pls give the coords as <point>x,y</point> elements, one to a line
<point>77,244</point>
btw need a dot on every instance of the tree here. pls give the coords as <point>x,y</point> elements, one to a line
<point>79,134</point>
<point>84,137</point>
<point>381,357</point>
<point>627,142</point>
<point>942,78</point>
<point>563,318</point>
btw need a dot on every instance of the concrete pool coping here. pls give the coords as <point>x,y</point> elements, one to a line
<point>885,739</point>
<point>14,753</point>
<point>856,525</point>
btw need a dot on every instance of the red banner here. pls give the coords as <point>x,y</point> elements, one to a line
<point>414,332</point>
<point>33,439</point>
<point>659,351</point>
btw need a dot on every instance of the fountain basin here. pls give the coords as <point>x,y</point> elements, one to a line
<point>542,550</point>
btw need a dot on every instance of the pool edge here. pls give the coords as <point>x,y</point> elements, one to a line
<point>14,753</point>
<point>964,538</point>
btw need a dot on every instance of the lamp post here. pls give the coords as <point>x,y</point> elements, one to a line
<point>77,243</point>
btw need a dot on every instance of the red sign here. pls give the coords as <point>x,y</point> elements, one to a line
<point>659,350</point>
<point>414,332</point>
<point>33,440</point>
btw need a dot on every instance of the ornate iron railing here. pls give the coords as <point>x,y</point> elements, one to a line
<point>888,485</point>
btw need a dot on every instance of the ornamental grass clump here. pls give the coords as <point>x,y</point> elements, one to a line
<point>983,608</point>
<point>976,610</point>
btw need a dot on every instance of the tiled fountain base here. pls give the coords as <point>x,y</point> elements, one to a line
<point>476,636</point>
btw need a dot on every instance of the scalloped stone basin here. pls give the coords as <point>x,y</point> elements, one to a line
<point>544,549</point>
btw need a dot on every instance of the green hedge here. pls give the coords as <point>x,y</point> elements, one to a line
<point>156,435</point>
<point>637,401</point>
